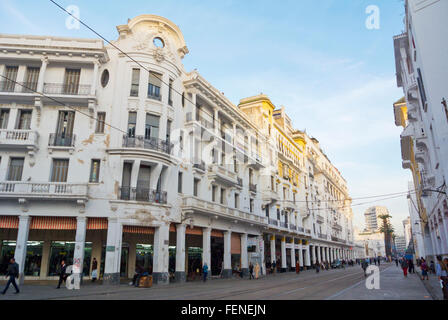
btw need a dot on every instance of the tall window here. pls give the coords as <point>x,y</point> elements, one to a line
<point>100,119</point>
<point>95,171</point>
<point>59,170</point>
<point>196,187</point>
<point>222,198</point>
<point>135,82</point>
<point>214,189</point>
<point>168,131</point>
<point>71,82</point>
<point>278,214</point>
<point>251,174</point>
<point>237,200</point>
<point>251,204</point>
<point>421,88</point>
<point>272,183</point>
<point>152,127</point>
<point>132,121</point>
<point>179,182</point>
<point>4,116</point>
<point>154,85</point>
<point>170,93</point>
<point>15,169</point>
<point>11,74</point>
<point>24,121</point>
<point>267,210</point>
<point>64,130</point>
<point>32,77</point>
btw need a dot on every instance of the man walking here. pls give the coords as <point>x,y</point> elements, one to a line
<point>205,271</point>
<point>62,274</point>
<point>12,273</point>
<point>251,271</point>
<point>94,270</point>
<point>364,266</point>
<point>404,266</point>
<point>411,266</point>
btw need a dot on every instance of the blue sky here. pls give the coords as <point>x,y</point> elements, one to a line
<point>335,77</point>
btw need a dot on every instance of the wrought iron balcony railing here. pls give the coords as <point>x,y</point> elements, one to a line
<point>61,140</point>
<point>19,87</point>
<point>147,143</point>
<point>252,187</point>
<point>273,222</point>
<point>200,166</point>
<point>143,195</point>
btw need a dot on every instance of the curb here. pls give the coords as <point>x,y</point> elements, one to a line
<point>428,287</point>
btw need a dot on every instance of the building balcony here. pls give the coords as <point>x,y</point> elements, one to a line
<point>337,226</point>
<point>283,224</point>
<point>252,187</point>
<point>67,89</point>
<point>292,227</point>
<point>307,231</point>
<point>273,222</point>
<point>320,219</point>
<point>289,204</point>
<point>301,229</point>
<point>58,141</point>
<point>239,182</point>
<point>18,139</point>
<point>270,196</point>
<point>200,166</point>
<point>140,142</point>
<point>143,195</point>
<point>207,208</point>
<point>222,175</point>
<point>20,91</point>
<point>202,121</point>
<point>43,191</point>
<point>322,236</point>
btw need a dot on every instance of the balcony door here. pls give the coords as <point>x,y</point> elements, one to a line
<point>60,170</point>
<point>64,130</point>
<point>143,183</point>
<point>15,169</point>
<point>126,181</point>
<point>71,81</point>
<point>24,121</point>
<point>152,127</point>
<point>32,77</point>
<point>11,75</point>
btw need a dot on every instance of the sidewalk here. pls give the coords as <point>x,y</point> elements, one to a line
<point>433,286</point>
<point>393,286</point>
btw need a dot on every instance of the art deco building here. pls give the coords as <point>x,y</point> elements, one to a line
<point>125,156</point>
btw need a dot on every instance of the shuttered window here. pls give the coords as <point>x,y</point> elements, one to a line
<point>100,119</point>
<point>11,75</point>
<point>60,170</point>
<point>24,122</point>
<point>154,85</point>
<point>32,77</point>
<point>152,127</point>
<point>15,169</point>
<point>71,81</point>
<point>135,82</point>
<point>132,121</point>
<point>95,171</point>
<point>4,117</point>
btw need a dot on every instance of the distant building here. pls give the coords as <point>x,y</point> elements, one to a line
<point>407,230</point>
<point>373,222</point>
<point>401,244</point>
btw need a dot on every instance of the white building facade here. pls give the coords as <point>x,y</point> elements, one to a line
<point>421,67</point>
<point>128,158</point>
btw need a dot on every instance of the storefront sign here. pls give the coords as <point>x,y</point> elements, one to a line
<point>110,248</point>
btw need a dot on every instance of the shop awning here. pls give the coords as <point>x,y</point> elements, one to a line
<point>53,223</point>
<point>138,230</point>
<point>9,222</point>
<point>97,224</point>
<point>217,234</point>
<point>195,231</point>
<point>235,244</point>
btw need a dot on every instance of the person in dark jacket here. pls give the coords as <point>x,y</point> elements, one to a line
<point>12,273</point>
<point>411,268</point>
<point>364,266</point>
<point>62,274</point>
<point>404,266</point>
<point>251,271</point>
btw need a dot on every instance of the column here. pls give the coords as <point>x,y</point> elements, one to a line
<point>273,258</point>
<point>307,256</point>
<point>80,239</point>
<point>161,255</point>
<point>244,258</point>
<point>319,258</point>
<point>216,123</point>
<point>227,272</point>
<point>206,248</point>
<point>293,254</point>
<point>132,258</point>
<point>45,259</point>
<point>262,253</point>
<point>94,78</point>
<point>283,249</point>
<point>41,78</point>
<point>300,254</point>
<point>327,256</point>
<point>22,238</point>
<point>113,253</point>
<point>313,254</point>
<point>180,253</point>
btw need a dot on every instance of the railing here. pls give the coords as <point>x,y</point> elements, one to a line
<point>43,189</point>
<point>337,226</point>
<point>252,187</point>
<point>240,181</point>
<point>150,144</point>
<point>200,166</point>
<point>67,89</point>
<point>300,229</point>
<point>322,236</point>
<point>18,137</point>
<point>61,140</point>
<point>143,195</point>
<point>205,123</point>
<point>273,222</point>
<point>292,227</point>
<point>283,224</point>
<point>19,87</point>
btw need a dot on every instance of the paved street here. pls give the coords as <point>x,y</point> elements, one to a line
<point>344,284</point>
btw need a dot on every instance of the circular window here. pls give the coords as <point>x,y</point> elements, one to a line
<point>158,42</point>
<point>105,78</point>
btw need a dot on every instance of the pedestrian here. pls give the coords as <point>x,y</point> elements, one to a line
<point>94,270</point>
<point>442,274</point>
<point>424,268</point>
<point>268,267</point>
<point>411,266</point>
<point>317,265</point>
<point>379,262</point>
<point>364,266</point>
<point>273,267</point>
<point>205,271</point>
<point>297,267</point>
<point>432,267</point>
<point>251,271</point>
<point>12,273</point>
<point>396,262</point>
<point>138,274</point>
<point>404,266</point>
<point>62,274</point>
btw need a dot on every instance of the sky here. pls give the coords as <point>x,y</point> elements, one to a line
<point>335,77</point>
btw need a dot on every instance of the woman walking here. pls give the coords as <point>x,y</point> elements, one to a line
<point>424,268</point>
<point>404,266</point>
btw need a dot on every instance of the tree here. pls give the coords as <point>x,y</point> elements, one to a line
<point>388,231</point>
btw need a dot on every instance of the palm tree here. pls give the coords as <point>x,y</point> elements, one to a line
<point>388,231</point>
